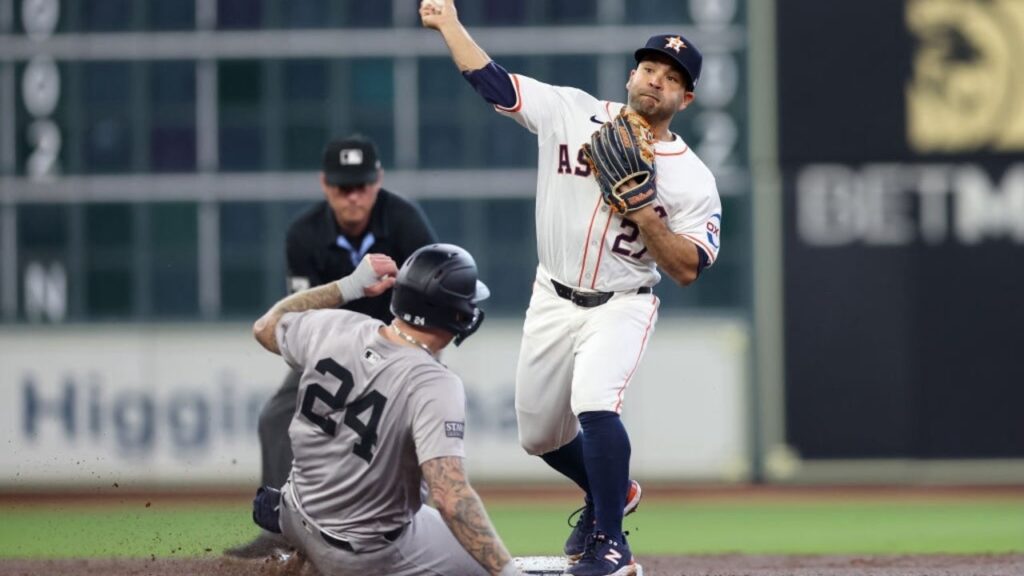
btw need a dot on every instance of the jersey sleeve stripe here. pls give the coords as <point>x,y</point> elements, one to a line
<point>586,243</point>
<point>519,97</point>
<point>597,267</point>
<point>643,344</point>
<point>712,254</point>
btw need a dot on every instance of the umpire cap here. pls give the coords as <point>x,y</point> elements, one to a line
<point>351,162</point>
<point>680,50</point>
<point>438,287</point>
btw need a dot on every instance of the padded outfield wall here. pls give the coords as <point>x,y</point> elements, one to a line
<point>178,406</point>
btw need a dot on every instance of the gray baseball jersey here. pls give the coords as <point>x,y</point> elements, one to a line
<point>369,412</point>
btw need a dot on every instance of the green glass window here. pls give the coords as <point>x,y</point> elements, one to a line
<point>252,259</point>
<point>570,12</point>
<point>97,16</point>
<point>104,123</point>
<point>510,246</point>
<point>242,94</point>
<point>44,262</point>
<point>43,227</point>
<point>118,117</point>
<point>240,14</point>
<point>310,13</point>
<point>244,243</point>
<point>267,14</point>
<point>109,259</point>
<point>278,115</point>
<point>172,269</point>
<point>100,15</point>
<point>447,218</point>
<point>524,12</point>
<point>172,110</point>
<point>659,12</point>
<point>500,235</point>
<point>369,88</point>
<point>306,105</point>
<point>164,15</point>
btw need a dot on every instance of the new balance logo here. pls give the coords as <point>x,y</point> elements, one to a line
<point>613,556</point>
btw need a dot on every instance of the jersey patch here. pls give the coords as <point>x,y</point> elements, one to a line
<point>714,227</point>
<point>454,429</point>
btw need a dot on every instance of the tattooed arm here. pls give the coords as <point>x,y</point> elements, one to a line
<point>464,514</point>
<point>374,275</point>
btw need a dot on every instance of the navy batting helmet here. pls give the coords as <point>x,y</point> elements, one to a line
<point>437,287</point>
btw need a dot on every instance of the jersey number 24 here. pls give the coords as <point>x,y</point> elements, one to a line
<point>373,401</point>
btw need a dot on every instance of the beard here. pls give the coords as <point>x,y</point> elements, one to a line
<point>652,110</point>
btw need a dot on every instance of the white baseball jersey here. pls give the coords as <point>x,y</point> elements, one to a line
<point>369,412</point>
<point>580,241</point>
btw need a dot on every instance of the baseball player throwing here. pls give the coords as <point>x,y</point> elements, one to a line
<point>378,415</point>
<point>618,197</point>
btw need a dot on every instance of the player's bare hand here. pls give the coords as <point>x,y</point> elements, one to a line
<point>644,217</point>
<point>385,269</point>
<point>382,265</point>
<point>437,13</point>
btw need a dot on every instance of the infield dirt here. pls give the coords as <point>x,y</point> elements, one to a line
<point>718,565</point>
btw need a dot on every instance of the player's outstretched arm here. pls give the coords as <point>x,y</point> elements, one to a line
<point>374,275</point>
<point>675,255</point>
<point>464,513</point>
<point>442,16</point>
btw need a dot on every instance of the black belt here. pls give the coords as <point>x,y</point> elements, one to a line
<point>588,299</point>
<point>344,545</point>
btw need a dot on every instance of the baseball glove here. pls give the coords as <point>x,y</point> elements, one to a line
<point>621,157</point>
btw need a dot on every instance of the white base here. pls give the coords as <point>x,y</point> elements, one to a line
<point>550,565</point>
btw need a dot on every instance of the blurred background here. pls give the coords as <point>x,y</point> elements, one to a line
<point>862,325</point>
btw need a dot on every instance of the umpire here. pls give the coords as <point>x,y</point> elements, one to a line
<point>325,243</point>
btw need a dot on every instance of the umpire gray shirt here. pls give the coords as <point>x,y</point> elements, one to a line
<point>369,413</point>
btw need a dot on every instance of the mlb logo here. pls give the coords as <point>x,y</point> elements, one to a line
<point>371,357</point>
<point>351,157</point>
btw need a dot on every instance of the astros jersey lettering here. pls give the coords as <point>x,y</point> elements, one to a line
<point>369,413</point>
<point>580,242</point>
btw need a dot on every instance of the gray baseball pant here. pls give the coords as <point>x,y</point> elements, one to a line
<point>275,445</point>
<point>425,548</point>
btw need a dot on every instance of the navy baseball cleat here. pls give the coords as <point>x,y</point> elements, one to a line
<point>584,527</point>
<point>603,556</point>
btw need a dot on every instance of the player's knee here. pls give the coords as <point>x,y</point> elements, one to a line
<point>536,441</point>
<point>583,405</point>
<point>534,444</point>
<point>539,440</point>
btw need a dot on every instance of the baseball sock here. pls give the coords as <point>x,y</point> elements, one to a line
<point>569,461</point>
<point>606,452</point>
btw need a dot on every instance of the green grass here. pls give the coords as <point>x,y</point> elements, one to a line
<point>793,528</point>
<point>661,527</point>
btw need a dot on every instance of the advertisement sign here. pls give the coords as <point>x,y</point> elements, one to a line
<point>901,142</point>
<point>178,406</point>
